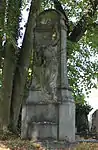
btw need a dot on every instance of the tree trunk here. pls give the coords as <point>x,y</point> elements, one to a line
<point>2,19</point>
<point>9,65</point>
<point>13,13</point>
<point>23,64</point>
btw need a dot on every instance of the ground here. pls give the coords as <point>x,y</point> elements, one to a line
<point>11,142</point>
<point>29,145</point>
<point>19,145</point>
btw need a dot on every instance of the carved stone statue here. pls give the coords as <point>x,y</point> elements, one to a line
<point>49,111</point>
<point>46,62</point>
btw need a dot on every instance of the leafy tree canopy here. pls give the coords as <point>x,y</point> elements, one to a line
<point>82,45</point>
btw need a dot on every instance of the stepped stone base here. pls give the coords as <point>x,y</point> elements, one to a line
<point>43,121</point>
<point>54,145</point>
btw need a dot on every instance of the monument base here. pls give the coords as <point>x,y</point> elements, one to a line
<point>67,121</point>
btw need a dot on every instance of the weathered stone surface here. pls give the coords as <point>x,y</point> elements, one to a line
<point>67,121</point>
<point>66,95</point>
<point>50,109</point>
<point>35,96</point>
<point>63,66</point>
<point>47,131</point>
<point>42,113</point>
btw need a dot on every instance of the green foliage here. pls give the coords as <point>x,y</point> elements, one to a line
<point>82,70</point>
<point>82,56</point>
<point>82,67</point>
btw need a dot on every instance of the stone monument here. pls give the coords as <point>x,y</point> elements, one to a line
<point>49,111</point>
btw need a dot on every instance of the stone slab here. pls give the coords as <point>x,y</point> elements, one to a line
<point>39,113</point>
<point>67,121</point>
<point>43,131</point>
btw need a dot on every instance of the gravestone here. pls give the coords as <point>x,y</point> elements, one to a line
<point>49,111</point>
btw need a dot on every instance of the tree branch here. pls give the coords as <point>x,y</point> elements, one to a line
<point>82,25</point>
<point>78,30</point>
